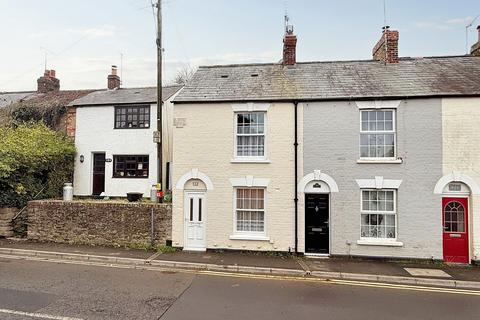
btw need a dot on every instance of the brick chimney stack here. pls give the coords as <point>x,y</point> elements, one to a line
<point>48,82</point>
<point>475,51</point>
<point>289,47</point>
<point>386,49</point>
<point>113,80</point>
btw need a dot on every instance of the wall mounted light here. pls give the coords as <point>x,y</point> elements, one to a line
<point>82,158</point>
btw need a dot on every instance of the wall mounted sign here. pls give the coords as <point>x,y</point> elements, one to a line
<point>108,160</point>
<point>179,122</point>
<point>454,187</point>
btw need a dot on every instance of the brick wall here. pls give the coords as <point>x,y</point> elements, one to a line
<point>70,122</point>
<point>386,48</point>
<point>97,223</point>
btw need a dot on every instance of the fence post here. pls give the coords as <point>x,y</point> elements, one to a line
<point>152,227</point>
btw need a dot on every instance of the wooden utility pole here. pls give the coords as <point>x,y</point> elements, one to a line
<point>159,98</point>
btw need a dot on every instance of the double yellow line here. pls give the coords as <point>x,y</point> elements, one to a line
<point>342,282</point>
<point>260,276</point>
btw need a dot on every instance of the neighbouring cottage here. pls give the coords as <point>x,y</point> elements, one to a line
<point>371,158</point>
<point>48,103</point>
<point>113,131</point>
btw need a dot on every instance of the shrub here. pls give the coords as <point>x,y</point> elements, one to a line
<point>33,157</point>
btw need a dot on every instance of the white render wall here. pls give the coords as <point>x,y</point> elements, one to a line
<point>206,143</point>
<point>461,153</point>
<point>95,133</point>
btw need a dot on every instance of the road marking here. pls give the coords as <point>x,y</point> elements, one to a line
<point>344,282</point>
<point>258,276</point>
<point>37,315</point>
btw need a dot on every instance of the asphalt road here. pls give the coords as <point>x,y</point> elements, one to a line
<point>42,290</point>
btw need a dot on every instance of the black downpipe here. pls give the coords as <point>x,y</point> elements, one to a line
<point>295,199</point>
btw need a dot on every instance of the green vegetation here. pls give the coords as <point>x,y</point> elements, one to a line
<point>33,159</point>
<point>139,246</point>
<point>166,249</point>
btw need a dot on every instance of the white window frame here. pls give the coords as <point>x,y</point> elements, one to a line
<point>385,240</point>
<point>394,131</point>
<point>256,109</point>
<point>250,235</point>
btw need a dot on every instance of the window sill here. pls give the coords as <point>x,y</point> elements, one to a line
<point>384,161</point>
<point>251,237</point>
<point>385,243</point>
<point>249,160</point>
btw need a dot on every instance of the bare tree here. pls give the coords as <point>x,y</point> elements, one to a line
<point>184,75</point>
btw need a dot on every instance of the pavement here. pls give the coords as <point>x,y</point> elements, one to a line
<point>400,272</point>
<point>60,291</point>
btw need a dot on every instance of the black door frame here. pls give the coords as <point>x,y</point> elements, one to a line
<point>329,223</point>
<point>93,170</point>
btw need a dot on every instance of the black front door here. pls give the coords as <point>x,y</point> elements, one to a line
<point>316,223</point>
<point>98,173</point>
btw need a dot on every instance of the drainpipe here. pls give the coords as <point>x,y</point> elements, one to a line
<point>295,199</point>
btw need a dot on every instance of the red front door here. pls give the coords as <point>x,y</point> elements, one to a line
<point>455,230</point>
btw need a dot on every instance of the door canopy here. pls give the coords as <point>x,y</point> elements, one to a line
<point>456,177</point>
<point>319,177</point>
<point>194,174</point>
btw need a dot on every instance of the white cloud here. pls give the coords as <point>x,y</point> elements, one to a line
<point>460,21</point>
<point>93,32</point>
<point>444,25</point>
<point>96,32</point>
<point>90,72</point>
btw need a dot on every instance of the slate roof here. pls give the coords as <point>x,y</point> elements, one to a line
<point>125,96</point>
<point>335,80</point>
<point>7,98</point>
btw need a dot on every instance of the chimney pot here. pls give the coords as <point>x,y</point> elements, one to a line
<point>113,80</point>
<point>48,82</point>
<point>478,29</point>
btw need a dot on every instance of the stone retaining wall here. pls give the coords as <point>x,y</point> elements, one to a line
<point>6,216</point>
<point>98,223</point>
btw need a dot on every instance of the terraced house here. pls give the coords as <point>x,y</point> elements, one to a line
<point>372,158</point>
<point>113,131</point>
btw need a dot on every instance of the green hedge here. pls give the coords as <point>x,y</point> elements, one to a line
<point>33,157</point>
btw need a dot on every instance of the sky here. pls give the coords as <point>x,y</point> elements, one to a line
<point>82,39</point>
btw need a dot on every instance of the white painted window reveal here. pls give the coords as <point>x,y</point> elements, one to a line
<point>250,135</point>
<point>377,134</point>
<point>249,211</point>
<point>378,214</point>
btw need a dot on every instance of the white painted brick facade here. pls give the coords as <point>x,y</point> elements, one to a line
<point>461,152</point>
<point>206,142</point>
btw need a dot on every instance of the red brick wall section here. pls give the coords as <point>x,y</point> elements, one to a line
<point>386,49</point>
<point>71,122</point>
<point>289,49</point>
<point>118,224</point>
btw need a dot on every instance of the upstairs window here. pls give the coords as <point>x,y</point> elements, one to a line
<point>132,117</point>
<point>250,134</point>
<point>130,166</point>
<point>377,134</point>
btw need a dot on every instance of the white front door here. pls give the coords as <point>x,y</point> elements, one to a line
<point>195,214</point>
